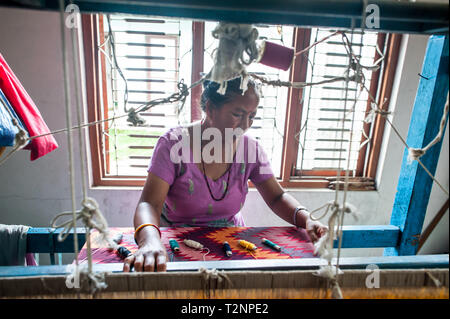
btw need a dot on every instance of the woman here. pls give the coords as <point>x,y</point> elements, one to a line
<point>211,190</point>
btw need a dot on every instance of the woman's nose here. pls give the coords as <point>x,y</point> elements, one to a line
<point>246,123</point>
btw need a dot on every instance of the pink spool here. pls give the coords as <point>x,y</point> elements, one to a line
<point>276,56</point>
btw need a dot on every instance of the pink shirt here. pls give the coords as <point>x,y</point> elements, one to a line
<point>189,202</point>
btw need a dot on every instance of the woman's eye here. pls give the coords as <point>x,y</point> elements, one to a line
<point>236,114</point>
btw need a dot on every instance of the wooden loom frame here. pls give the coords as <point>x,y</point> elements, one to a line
<point>401,237</point>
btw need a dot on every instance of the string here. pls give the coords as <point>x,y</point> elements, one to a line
<point>385,114</point>
<point>116,64</point>
<point>69,131</point>
<point>316,43</point>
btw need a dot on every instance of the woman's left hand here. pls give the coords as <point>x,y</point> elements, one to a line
<point>315,229</point>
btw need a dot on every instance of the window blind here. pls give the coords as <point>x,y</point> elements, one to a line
<point>324,142</point>
<point>153,55</point>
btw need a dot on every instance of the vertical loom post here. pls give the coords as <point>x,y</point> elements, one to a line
<point>414,185</point>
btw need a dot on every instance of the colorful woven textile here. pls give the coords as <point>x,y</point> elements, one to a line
<point>295,243</point>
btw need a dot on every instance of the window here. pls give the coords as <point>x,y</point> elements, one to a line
<point>299,129</point>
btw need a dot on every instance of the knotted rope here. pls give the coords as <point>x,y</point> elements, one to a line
<point>91,217</point>
<point>324,246</point>
<point>416,153</point>
<point>219,278</point>
<point>374,110</point>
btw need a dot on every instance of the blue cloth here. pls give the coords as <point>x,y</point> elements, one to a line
<point>8,130</point>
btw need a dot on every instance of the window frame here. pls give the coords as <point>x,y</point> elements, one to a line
<point>291,177</point>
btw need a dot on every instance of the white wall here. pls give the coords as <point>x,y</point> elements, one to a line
<point>32,193</point>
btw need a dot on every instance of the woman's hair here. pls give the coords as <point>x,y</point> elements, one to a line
<point>218,100</point>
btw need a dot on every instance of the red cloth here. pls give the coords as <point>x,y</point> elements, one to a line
<point>27,111</point>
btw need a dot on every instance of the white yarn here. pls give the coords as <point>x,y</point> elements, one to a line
<point>196,245</point>
<point>373,113</point>
<point>321,248</point>
<point>324,246</point>
<point>415,153</point>
<point>80,273</point>
<point>193,244</point>
<point>229,61</point>
<point>91,216</point>
<point>214,274</point>
<point>329,272</point>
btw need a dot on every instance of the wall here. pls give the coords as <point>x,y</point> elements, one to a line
<point>32,193</point>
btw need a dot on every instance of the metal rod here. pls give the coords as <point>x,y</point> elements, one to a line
<point>395,16</point>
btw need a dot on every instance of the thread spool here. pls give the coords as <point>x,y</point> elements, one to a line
<point>123,252</point>
<point>193,244</point>
<point>247,245</point>
<point>227,248</point>
<point>267,242</point>
<point>196,245</point>
<point>276,56</point>
<point>174,245</point>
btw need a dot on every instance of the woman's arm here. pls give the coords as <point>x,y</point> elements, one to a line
<point>284,205</point>
<point>151,255</point>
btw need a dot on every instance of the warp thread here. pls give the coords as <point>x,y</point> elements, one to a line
<point>213,279</point>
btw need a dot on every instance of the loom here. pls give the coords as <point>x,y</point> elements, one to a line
<point>404,274</point>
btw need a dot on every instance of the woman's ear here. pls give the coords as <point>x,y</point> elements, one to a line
<point>209,110</point>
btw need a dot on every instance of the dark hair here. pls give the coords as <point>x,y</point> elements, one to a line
<point>218,100</point>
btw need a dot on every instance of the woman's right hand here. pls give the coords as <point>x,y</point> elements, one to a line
<point>149,257</point>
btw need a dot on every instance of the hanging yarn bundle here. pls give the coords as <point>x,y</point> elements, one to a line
<point>235,40</point>
<point>213,279</point>
<point>324,246</point>
<point>415,153</point>
<point>91,217</point>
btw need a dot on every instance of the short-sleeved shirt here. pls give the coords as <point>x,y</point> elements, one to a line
<point>189,202</point>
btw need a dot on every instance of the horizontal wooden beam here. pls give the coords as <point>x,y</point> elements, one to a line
<point>383,262</point>
<point>44,240</point>
<point>394,16</point>
<point>362,236</point>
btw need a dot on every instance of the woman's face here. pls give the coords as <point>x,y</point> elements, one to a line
<point>238,113</point>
